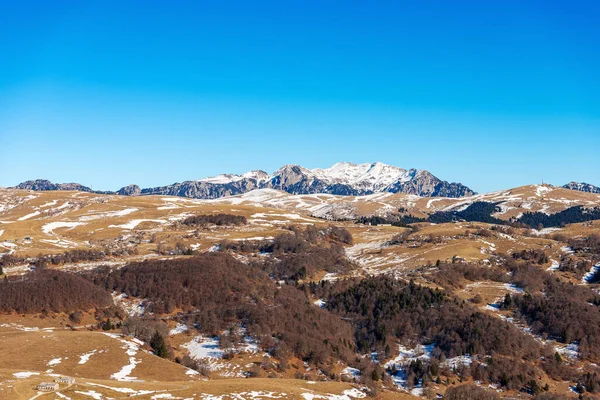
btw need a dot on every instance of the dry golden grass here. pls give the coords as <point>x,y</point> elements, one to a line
<point>103,221</point>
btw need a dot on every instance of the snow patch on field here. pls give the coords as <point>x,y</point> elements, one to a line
<point>566,250</point>
<point>91,393</point>
<point>25,217</point>
<point>570,351</point>
<point>62,243</point>
<point>54,361</point>
<point>406,355</point>
<point>555,265</point>
<point>25,374</point>
<point>108,214</point>
<point>511,287</point>
<point>203,347</point>
<point>132,307</point>
<point>352,372</point>
<point>540,191</point>
<point>588,276</point>
<point>131,392</point>
<point>49,204</point>
<point>320,303</point>
<point>348,394</point>
<point>545,231</point>
<point>135,222</point>
<point>131,350</point>
<point>179,328</point>
<point>84,358</point>
<point>49,228</point>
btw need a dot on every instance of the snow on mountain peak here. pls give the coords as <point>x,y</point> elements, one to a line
<point>374,176</point>
<point>366,176</point>
<point>256,174</point>
<point>222,179</point>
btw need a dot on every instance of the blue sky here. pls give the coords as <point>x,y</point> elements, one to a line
<point>493,94</point>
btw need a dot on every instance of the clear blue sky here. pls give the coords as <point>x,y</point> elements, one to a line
<point>494,94</point>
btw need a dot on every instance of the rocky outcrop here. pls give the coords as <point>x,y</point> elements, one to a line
<point>203,190</point>
<point>582,187</point>
<point>424,183</point>
<point>130,190</point>
<point>43,184</point>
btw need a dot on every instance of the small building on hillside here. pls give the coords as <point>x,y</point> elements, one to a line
<point>47,387</point>
<point>65,379</point>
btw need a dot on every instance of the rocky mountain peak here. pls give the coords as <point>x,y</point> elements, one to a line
<point>130,190</point>
<point>582,187</point>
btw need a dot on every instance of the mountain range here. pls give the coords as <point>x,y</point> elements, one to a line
<point>342,178</point>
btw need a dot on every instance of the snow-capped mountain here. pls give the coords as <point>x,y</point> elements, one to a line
<point>370,177</point>
<point>582,187</point>
<point>343,178</point>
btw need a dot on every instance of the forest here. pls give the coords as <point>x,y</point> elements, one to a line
<point>216,292</point>
<point>571,215</point>
<point>51,291</point>
<point>481,211</point>
<point>215,219</point>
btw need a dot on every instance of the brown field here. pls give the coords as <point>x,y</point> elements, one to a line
<point>54,222</point>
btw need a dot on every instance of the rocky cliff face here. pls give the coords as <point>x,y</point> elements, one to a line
<point>204,190</point>
<point>344,179</point>
<point>424,183</point>
<point>130,190</point>
<point>43,184</point>
<point>582,187</point>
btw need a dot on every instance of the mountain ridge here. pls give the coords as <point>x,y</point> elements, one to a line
<point>342,178</point>
<point>582,187</point>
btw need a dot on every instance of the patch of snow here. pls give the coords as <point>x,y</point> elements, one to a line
<point>135,222</point>
<point>545,231</point>
<point>54,361</point>
<point>131,350</point>
<point>179,328</point>
<point>455,362</point>
<point>131,392</point>
<point>203,347</point>
<point>33,214</point>
<point>353,372</point>
<point>108,214</point>
<point>540,191</point>
<point>570,351</point>
<point>84,358</point>
<point>554,267</point>
<point>511,287</point>
<point>91,393</point>
<point>566,250</point>
<point>321,303</point>
<point>24,374</point>
<point>48,204</point>
<point>588,276</point>
<point>132,307</point>
<point>48,228</point>
<point>222,179</point>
